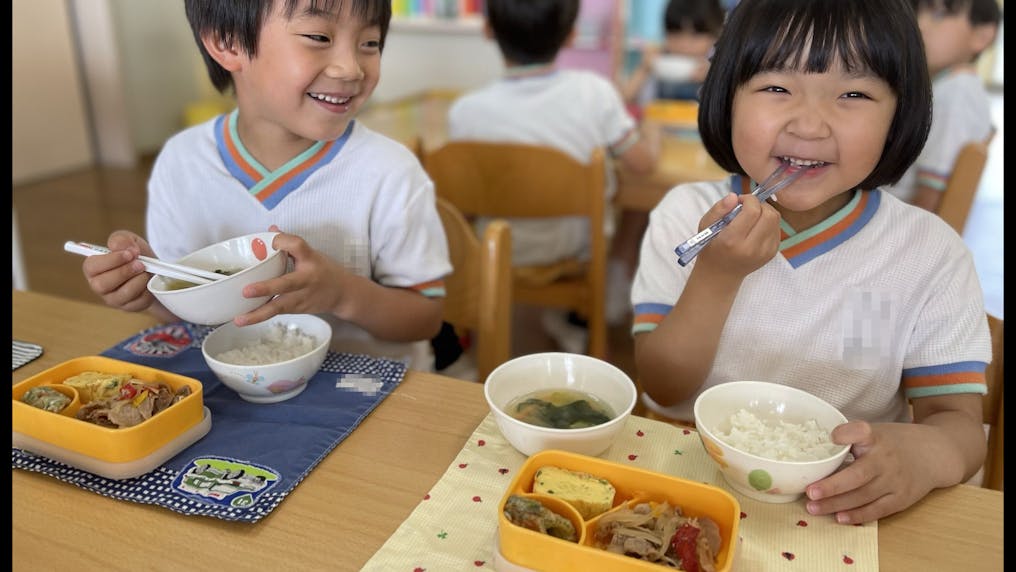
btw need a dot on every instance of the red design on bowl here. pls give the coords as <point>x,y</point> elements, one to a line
<point>258,247</point>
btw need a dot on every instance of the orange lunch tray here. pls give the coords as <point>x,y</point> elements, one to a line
<point>70,434</point>
<point>530,549</point>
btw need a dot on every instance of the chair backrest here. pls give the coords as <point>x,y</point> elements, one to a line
<point>961,188</point>
<point>993,414</point>
<point>504,180</point>
<point>19,275</point>
<point>478,291</point>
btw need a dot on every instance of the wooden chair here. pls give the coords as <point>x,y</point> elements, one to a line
<point>478,291</point>
<point>961,188</point>
<point>505,180</point>
<point>993,417</point>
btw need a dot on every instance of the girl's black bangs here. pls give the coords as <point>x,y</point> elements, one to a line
<point>812,40</point>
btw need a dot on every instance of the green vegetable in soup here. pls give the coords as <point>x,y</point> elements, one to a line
<point>560,409</point>
<point>175,284</point>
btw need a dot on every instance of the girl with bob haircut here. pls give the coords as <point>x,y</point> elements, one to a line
<point>832,286</point>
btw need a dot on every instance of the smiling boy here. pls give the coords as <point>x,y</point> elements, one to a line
<point>356,209</point>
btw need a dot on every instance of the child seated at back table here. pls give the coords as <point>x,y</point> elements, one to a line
<point>575,111</point>
<point>955,34</point>
<point>356,209</point>
<point>690,30</point>
<point>834,287</point>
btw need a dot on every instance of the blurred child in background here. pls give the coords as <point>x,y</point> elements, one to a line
<point>833,286</point>
<point>575,111</point>
<point>355,209</point>
<point>955,34</point>
<point>676,70</point>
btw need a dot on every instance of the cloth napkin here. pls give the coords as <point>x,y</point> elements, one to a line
<point>254,455</point>
<point>454,527</point>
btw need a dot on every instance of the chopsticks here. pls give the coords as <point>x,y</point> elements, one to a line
<point>688,249</point>
<point>153,265</point>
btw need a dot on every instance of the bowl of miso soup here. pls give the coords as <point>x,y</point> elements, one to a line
<point>242,260</point>
<point>563,401</point>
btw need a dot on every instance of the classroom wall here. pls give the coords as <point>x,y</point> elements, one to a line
<point>436,56</point>
<point>138,61</point>
<point>162,69</point>
<point>49,130</point>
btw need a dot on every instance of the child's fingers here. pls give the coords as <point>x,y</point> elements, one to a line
<point>292,244</point>
<point>132,295</point>
<point>722,207</point>
<point>267,310</point>
<point>857,434</point>
<point>127,240</point>
<point>761,223</point>
<point>123,261</point>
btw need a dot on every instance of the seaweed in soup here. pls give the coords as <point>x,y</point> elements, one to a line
<point>560,409</point>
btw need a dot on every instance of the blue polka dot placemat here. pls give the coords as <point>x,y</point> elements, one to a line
<point>253,455</point>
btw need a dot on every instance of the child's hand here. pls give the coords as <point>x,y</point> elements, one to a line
<point>119,277</point>
<point>890,472</point>
<point>701,70</point>
<point>750,240</point>
<point>314,286</point>
<point>649,54</point>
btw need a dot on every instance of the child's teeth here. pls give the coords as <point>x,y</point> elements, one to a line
<point>330,99</point>
<point>803,162</point>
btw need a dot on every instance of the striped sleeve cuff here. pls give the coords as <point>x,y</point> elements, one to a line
<point>946,379</point>
<point>648,316</point>
<point>432,289</point>
<point>629,139</point>
<point>931,179</point>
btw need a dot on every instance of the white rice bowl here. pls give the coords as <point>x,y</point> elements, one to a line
<point>770,441</point>
<point>270,361</point>
<point>778,439</point>
<point>280,343</point>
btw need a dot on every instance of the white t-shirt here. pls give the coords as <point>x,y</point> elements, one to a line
<point>878,304</point>
<point>575,111</point>
<point>363,200</point>
<point>961,113</point>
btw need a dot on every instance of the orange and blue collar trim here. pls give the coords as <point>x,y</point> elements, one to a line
<point>799,248</point>
<point>529,70</point>
<point>270,187</point>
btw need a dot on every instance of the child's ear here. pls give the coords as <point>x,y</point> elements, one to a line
<point>570,39</point>
<point>983,37</point>
<point>225,53</point>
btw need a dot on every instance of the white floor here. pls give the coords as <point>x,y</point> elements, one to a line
<point>984,230</point>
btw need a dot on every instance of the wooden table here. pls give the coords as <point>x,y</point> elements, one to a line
<point>683,159</point>
<point>359,494</point>
<point>422,120</point>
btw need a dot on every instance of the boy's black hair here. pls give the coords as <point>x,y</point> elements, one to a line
<point>701,16</point>
<point>533,31</point>
<point>979,11</point>
<point>876,35</point>
<point>239,22</point>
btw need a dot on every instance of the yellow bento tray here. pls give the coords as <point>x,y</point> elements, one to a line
<point>532,550</point>
<point>673,112</point>
<point>106,444</point>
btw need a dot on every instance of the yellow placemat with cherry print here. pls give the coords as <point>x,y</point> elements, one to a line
<point>455,525</point>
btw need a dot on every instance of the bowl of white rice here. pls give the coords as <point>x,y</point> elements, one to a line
<point>270,361</point>
<point>769,440</point>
